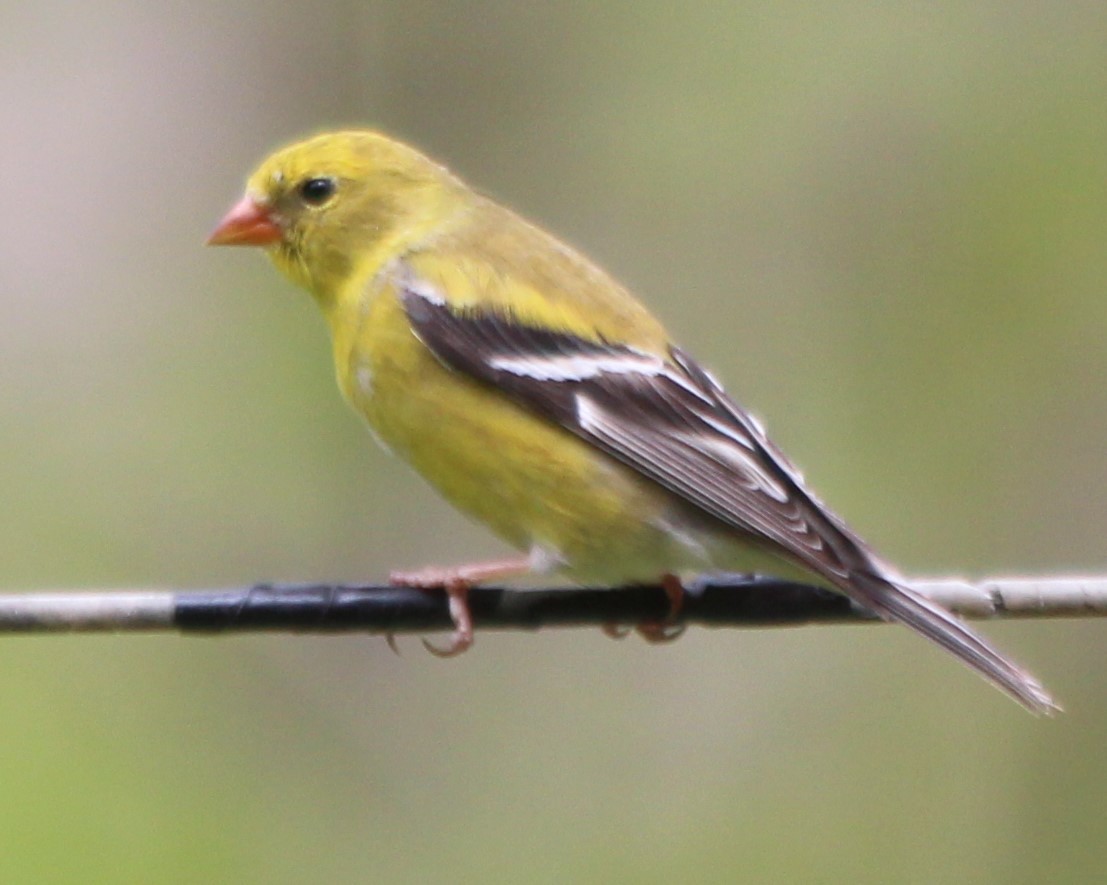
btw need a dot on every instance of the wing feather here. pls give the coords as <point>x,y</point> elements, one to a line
<point>666,418</point>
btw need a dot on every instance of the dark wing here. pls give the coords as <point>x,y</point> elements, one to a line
<point>672,422</point>
<point>668,419</point>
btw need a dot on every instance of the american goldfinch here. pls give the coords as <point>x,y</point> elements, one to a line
<point>537,395</point>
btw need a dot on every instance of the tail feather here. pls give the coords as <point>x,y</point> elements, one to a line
<point>895,602</point>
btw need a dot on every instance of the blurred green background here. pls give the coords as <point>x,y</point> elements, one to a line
<point>884,225</point>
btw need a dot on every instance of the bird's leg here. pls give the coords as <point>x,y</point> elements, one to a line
<point>456,582</point>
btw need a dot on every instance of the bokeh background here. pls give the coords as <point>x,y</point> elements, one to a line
<point>883,224</point>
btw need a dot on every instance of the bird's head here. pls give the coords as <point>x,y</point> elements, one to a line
<point>320,205</point>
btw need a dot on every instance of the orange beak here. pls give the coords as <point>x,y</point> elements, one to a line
<point>247,224</point>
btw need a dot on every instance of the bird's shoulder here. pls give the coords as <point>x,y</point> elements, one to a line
<point>490,260</point>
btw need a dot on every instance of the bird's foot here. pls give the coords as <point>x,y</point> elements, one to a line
<point>456,582</point>
<point>665,630</point>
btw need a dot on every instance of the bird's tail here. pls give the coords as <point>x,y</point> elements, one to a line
<point>895,602</point>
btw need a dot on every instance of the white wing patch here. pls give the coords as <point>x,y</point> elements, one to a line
<point>586,366</point>
<point>418,286</point>
<point>589,415</point>
<point>741,461</point>
<point>578,367</point>
<point>726,429</point>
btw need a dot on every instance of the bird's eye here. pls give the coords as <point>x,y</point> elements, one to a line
<point>316,191</point>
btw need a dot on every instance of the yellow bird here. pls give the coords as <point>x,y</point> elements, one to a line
<point>537,395</point>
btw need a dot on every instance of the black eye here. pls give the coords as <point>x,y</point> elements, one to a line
<point>316,191</point>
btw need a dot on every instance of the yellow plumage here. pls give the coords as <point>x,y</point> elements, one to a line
<point>536,394</point>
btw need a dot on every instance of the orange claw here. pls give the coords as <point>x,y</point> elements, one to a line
<point>665,630</point>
